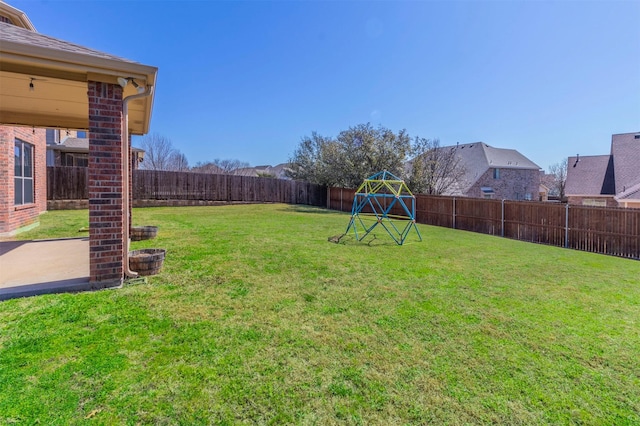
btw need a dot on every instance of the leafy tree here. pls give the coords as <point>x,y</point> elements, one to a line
<point>351,157</point>
<point>315,160</point>
<point>559,173</point>
<point>434,170</point>
<point>161,155</point>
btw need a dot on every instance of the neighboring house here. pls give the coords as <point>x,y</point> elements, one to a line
<point>71,148</point>
<point>278,172</point>
<point>543,193</point>
<point>548,183</point>
<point>607,180</point>
<point>497,173</point>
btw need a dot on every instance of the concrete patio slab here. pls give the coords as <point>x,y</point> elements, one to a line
<point>29,268</point>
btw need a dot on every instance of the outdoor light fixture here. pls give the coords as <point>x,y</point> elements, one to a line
<point>31,84</point>
<point>139,88</point>
<point>124,81</point>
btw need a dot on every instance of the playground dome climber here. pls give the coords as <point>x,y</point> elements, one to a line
<point>383,199</point>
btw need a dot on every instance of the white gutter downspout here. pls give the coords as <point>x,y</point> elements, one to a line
<point>125,176</point>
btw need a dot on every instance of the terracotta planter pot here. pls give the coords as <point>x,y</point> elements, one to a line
<point>139,233</point>
<point>146,261</point>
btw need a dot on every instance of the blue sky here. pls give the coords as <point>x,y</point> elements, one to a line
<point>247,80</point>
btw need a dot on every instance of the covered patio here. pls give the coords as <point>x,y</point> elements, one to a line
<point>50,83</point>
<point>63,265</point>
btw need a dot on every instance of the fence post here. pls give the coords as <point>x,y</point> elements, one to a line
<point>566,226</point>
<point>454,212</point>
<point>341,200</point>
<point>329,197</point>
<point>502,220</point>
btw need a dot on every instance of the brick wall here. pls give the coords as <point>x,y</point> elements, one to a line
<point>106,214</point>
<point>593,200</point>
<point>513,184</point>
<point>14,218</point>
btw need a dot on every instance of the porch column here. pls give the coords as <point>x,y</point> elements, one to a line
<point>106,212</point>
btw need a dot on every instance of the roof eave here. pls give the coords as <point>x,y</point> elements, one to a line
<point>41,61</point>
<point>74,63</point>
<point>18,17</point>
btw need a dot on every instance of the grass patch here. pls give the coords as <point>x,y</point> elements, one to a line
<point>257,318</point>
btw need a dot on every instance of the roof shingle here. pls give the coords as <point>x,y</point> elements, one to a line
<point>19,35</point>
<point>590,175</point>
<point>625,150</point>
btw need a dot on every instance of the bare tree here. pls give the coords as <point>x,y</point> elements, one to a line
<point>559,173</point>
<point>161,155</point>
<point>217,166</point>
<point>230,166</point>
<point>434,170</point>
<point>178,162</point>
<point>206,167</point>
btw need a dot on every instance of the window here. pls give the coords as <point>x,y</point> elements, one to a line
<point>487,192</point>
<point>594,202</point>
<point>496,173</point>
<point>23,173</point>
<point>74,159</point>
<point>81,134</point>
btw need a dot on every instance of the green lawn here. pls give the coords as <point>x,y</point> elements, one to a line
<point>256,318</point>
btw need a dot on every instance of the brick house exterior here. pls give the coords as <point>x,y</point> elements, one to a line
<point>511,184</point>
<point>38,75</point>
<point>496,173</point>
<point>16,217</point>
<point>611,180</point>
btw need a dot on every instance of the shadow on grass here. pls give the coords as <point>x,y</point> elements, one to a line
<point>371,240</point>
<point>302,208</point>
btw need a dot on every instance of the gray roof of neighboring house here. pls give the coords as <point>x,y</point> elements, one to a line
<point>625,150</point>
<point>478,157</point>
<point>547,180</point>
<point>617,173</point>
<point>277,171</point>
<point>590,175</point>
<point>78,145</point>
<point>632,193</point>
<point>16,34</point>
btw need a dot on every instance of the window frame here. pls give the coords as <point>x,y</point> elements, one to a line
<point>20,171</point>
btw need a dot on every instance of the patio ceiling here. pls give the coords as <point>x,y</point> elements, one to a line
<point>59,72</point>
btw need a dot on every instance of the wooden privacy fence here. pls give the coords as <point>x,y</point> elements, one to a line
<point>70,183</point>
<point>612,231</point>
<point>67,183</point>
